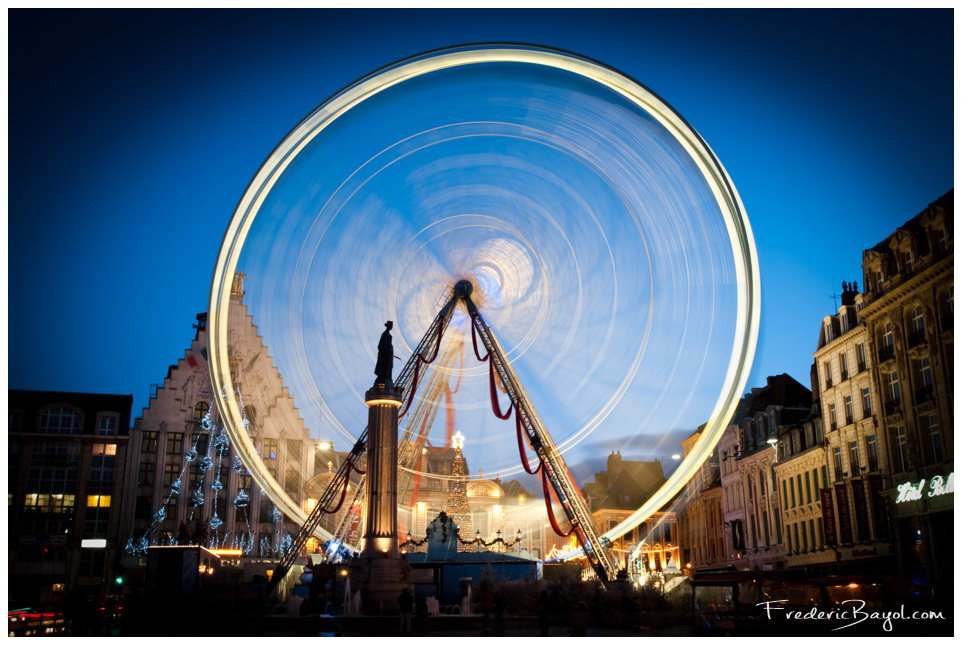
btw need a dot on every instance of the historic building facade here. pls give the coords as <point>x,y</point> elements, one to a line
<point>908,311</point>
<point>802,472</point>
<point>616,493</point>
<point>189,482</point>
<point>750,491</point>
<point>855,521</point>
<point>701,520</point>
<point>69,508</point>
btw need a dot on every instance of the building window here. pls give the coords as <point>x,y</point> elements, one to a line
<point>925,373</point>
<point>103,457</point>
<point>832,416</point>
<point>819,437</point>
<point>149,442</point>
<point>92,563</point>
<point>860,357</point>
<point>935,438</point>
<point>838,463</point>
<point>170,508</point>
<point>292,480</point>
<point>98,501</point>
<point>821,532</point>
<point>199,442</point>
<point>853,457</point>
<point>866,403</point>
<point>901,449</point>
<point>849,411</point>
<point>843,365</point>
<point>827,367</point>
<point>200,411</point>
<point>107,426</point>
<point>797,541</point>
<point>294,450</point>
<point>59,421</point>
<point>918,321</point>
<point>872,449</point>
<point>267,512</point>
<point>815,482</point>
<point>785,493</point>
<point>171,474</point>
<point>804,538</point>
<point>893,385</point>
<point>907,262</point>
<point>808,488</point>
<point>824,476</point>
<point>788,536</point>
<point>175,443</point>
<point>195,476</point>
<point>888,337</point>
<point>811,530</point>
<point>146,475</point>
<point>271,448</point>
<point>142,510</point>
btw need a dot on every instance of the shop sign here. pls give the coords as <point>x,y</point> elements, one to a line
<point>909,492</point>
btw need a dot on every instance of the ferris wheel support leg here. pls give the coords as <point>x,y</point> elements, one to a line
<point>554,464</point>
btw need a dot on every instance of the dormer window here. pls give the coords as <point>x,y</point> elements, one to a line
<point>907,262</point>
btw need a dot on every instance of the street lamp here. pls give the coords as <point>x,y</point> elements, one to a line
<point>519,540</point>
<point>500,542</point>
<point>477,538</point>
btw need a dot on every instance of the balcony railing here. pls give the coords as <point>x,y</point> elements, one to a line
<point>866,413</point>
<point>923,394</point>
<point>849,420</point>
<point>891,407</point>
<point>916,338</point>
<point>844,376</point>
<point>885,353</point>
<point>828,383</point>
<point>861,367</point>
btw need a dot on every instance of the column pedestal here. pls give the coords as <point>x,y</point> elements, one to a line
<point>378,572</point>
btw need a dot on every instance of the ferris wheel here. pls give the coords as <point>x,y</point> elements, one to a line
<point>539,227</point>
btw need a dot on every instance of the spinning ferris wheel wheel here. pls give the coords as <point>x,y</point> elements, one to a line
<point>527,200</point>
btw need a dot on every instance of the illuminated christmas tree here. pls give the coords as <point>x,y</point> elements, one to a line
<point>458,509</point>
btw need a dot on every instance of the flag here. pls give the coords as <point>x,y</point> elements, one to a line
<point>191,360</point>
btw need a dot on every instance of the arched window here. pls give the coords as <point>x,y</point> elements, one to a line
<point>59,421</point>
<point>918,323</point>
<point>200,411</point>
<point>888,337</point>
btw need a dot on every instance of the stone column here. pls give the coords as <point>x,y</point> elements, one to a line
<point>378,572</point>
<point>380,496</point>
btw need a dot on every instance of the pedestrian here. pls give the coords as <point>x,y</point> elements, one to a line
<point>544,612</point>
<point>405,603</point>
<point>500,604</point>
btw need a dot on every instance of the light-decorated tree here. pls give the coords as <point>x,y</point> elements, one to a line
<point>458,509</point>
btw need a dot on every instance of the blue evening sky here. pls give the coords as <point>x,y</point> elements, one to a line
<point>132,134</point>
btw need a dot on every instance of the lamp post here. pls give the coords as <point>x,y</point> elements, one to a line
<point>500,543</point>
<point>409,542</point>
<point>477,538</point>
<point>519,540</point>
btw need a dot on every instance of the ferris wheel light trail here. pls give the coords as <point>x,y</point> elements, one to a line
<point>605,243</point>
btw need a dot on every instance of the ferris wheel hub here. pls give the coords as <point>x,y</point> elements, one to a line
<point>463,288</point>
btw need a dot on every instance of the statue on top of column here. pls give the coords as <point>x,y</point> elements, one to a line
<point>385,358</point>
